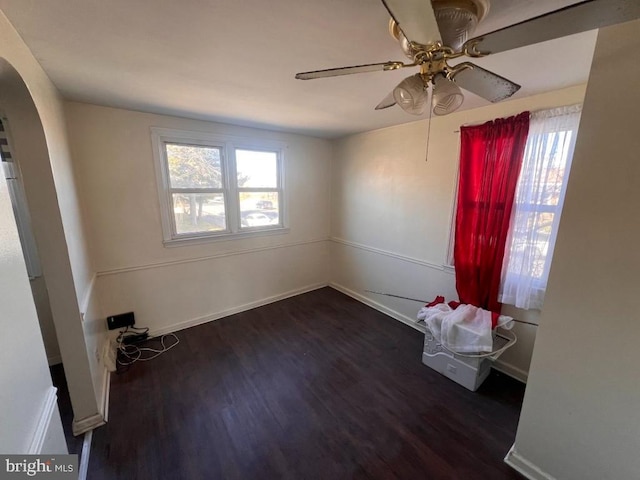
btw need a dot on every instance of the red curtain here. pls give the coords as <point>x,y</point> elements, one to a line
<point>490,159</point>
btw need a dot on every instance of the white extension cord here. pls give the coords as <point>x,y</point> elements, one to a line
<point>135,354</point>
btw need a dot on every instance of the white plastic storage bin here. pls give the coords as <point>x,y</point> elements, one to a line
<point>469,372</point>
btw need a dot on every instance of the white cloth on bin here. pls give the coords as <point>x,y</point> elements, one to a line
<point>467,329</point>
<point>433,318</point>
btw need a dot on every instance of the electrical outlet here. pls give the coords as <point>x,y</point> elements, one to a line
<point>120,321</point>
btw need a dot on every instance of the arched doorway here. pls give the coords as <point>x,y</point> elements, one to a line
<point>45,195</point>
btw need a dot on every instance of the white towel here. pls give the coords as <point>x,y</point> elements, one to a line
<point>467,329</point>
<point>505,322</point>
<point>433,317</point>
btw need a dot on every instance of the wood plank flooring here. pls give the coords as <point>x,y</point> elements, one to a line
<point>74,444</point>
<point>317,386</point>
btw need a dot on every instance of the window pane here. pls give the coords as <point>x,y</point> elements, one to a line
<point>530,245</point>
<point>192,166</point>
<point>543,176</point>
<point>257,169</point>
<point>258,209</point>
<point>199,212</point>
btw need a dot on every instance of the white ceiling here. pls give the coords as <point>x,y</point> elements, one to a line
<point>234,61</point>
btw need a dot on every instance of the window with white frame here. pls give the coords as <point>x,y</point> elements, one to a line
<point>216,187</point>
<point>538,205</point>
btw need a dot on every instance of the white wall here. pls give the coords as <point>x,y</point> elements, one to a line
<point>29,247</point>
<point>171,288</point>
<point>35,112</point>
<point>45,318</point>
<point>580,415</point>
<point>391,213</point>
<point>24,375</point>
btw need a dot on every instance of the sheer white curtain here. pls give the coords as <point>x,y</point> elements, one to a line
<point>538,204</point>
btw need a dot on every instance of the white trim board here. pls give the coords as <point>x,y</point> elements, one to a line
<point>441,268</point>
<point>510,370</point>
<point>525,467</point>
<point>245,251</point>
<point>232,311</point>
<point>83,468</point>
<point>54,360</point>
<point>44,421</point>
<point>84,425</point>
<point>502,367</point>
<point>378,306</point>
<point>87,295</point>
<point>87,424</point>
<point>106,390</point>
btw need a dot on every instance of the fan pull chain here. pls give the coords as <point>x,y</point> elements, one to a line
<point>429,128</point>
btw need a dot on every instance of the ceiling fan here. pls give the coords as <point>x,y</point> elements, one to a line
<point>434,33</point>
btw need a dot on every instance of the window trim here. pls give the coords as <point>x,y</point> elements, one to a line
<point>227,144</point>
<point>448,264</point>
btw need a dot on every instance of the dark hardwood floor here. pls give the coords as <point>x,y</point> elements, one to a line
<point>74,444</point>
<point>317,386</point>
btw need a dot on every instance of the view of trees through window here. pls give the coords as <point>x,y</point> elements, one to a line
<point>200,196</point>
<point>539,213</point>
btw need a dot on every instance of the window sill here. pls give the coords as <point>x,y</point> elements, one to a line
<point>224,237</point>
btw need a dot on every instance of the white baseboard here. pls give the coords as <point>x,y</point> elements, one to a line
<point>505,368</point>
<point>87,424</point>
<point>78,427</point>
<point>232,311</point>
<point>106,390</point>
<point>511,371</point>
<point>525,467</point>
<point>83,468</point>
<point>44,421</point>
<point>54,360</point>
<point>378,306</point>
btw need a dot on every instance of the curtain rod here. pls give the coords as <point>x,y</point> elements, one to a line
<point>577,106</point>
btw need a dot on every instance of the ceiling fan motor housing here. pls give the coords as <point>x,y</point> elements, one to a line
<point>457,20</point>
<point>433,34</point>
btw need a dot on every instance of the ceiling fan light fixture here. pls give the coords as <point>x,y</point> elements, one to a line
<point>447,96</point>
<point>411,94</point>
<point>458,19</point>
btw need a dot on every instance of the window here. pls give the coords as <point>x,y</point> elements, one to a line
<point>216,187</point>
<point>538,204</point>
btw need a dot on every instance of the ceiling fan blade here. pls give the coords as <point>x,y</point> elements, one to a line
<point>416,20</point>
<point>577,18</point>
<point>334,72</point>
<point>386,102</point>
<point>484,83</point>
